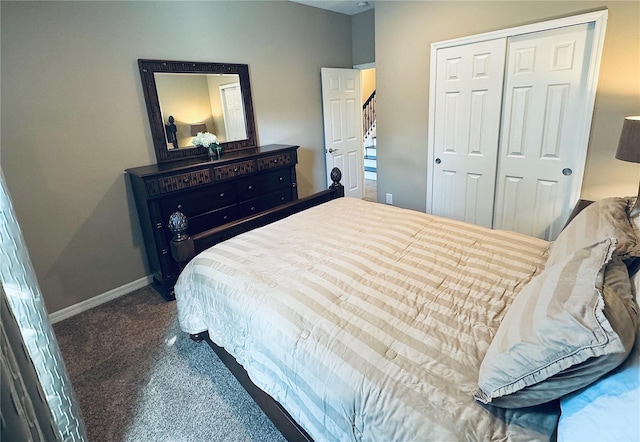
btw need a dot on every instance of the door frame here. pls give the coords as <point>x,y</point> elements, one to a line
<point>599,18</point>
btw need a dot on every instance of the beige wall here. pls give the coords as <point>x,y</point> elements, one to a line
<point>368,78</point>
<point>363,37</point>
<point>73,115</point>
<point>404,33</point>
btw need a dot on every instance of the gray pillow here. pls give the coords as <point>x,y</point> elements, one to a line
<point>606,218</point>
<point>570,325</point>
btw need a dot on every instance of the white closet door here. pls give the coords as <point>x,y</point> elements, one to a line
<point>469,82</point>
<point>541,154</point>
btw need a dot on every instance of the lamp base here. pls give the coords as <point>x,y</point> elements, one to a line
<point>635,210</point>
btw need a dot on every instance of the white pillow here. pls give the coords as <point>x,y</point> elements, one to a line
<point>608,409</point>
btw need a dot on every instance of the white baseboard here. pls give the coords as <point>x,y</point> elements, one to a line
<point>80,307</point>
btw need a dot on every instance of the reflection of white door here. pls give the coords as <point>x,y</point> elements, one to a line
<point>342,112</point>
<point>541,156</point>
<point>233,112</point>
<point>467,125</point>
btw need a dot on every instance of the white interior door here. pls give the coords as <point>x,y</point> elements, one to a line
<point>233,112</point>
<point>542,155</point>
<point>469,80</point>
<point>342,114</point>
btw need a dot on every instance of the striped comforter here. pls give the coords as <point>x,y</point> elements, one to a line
<point>366,321</point>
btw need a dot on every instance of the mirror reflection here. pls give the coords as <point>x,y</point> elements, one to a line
<point>191,103</point>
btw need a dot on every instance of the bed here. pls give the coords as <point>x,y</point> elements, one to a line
<point>364,321</point>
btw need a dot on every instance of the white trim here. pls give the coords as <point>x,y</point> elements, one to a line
<point>599,18</point>
<point>596,17</point>
<point>365,65</point>
<point>99,299</point>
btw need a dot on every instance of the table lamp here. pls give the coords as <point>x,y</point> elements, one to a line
<point>629,150</point>
<point>195,128</point>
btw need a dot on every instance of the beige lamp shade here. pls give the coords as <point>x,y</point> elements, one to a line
<point>195,128</point>
<point>629,145</point>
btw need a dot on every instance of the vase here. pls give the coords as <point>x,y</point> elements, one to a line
<point>215,152</point>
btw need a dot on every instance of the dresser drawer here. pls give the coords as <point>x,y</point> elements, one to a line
<point>195,203</point>
<point>259,185</point>
<point>234,170</point>
<point>265,202</point>
<point>208,220</point>
<point>182,181</point>
<point>279,160</point>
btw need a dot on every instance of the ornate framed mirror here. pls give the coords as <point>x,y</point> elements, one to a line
<point>184,98</point>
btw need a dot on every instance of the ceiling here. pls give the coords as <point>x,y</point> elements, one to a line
<point>348,7</point>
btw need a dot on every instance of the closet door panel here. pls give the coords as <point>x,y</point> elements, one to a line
<point>544,103</point>
<point>469,81</point>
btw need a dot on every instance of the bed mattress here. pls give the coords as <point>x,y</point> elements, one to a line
<point>367,321</point>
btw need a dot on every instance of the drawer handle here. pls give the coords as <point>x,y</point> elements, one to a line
<point>281,178</point>
<point>281,198</point>
<point>225,217</point>
<point>250,187</point>
<point>235,169</point>
<point>222,195</point>
<point>253,209</point>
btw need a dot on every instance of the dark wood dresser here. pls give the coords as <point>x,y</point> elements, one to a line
<point>210,194</point>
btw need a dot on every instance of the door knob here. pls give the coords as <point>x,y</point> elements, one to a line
<point>567,171</point>
<point>332,150</point>
<point>438,161</point>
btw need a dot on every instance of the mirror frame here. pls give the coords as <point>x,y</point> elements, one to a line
<point>147,70</point>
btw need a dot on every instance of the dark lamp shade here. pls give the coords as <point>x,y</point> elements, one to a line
<point>195,128</point>
<point>629,145</point>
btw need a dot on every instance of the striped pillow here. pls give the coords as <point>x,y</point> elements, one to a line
<point>568,326</point>
<point>606,218</point>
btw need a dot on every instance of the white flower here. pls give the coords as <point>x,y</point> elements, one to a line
<point>205,139</point>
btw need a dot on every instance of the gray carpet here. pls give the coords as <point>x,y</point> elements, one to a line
<point>371,190</point>
<point>138,377</point>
